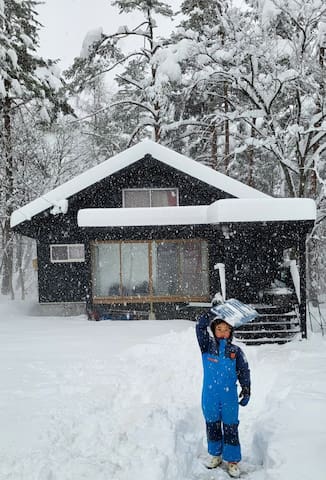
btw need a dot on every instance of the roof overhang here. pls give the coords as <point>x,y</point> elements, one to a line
<point>222,211</point>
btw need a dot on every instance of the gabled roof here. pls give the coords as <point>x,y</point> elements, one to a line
<point>57,198</point>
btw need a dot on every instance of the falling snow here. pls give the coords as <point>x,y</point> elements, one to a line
<point>120,400</point>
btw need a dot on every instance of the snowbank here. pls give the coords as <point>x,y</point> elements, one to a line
<point>119,400</point>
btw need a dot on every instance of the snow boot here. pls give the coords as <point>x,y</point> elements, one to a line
<point>213,461</point>
<point>233,470</point>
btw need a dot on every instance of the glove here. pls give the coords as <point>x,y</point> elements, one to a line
<point>244,396</point>
<point>204,319</point>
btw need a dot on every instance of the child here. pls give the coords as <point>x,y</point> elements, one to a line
<point>224,363</point>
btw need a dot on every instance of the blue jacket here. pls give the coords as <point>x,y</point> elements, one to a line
<point>224,363</point>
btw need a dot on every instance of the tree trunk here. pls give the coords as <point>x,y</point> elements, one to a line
<point>226,130</point>
<point>288,180</point>
<point>251,158</point>
<point>214,148</point>
<point>313,176</point>
<point>7,260</point>
<point>20,266</point>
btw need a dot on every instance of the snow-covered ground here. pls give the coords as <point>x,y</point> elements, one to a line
<point>121,400</point>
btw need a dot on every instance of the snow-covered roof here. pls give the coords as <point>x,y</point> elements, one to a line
<point>122,217</point>
<point>261,210</point>
<point>59,195</point>
<point>222,211</point>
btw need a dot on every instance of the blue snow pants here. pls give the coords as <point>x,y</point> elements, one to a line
<point>220,404</point>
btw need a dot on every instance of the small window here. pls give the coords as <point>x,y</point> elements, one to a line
<point>67,253</point>
<point>150,197</point>
<point>136,198</point>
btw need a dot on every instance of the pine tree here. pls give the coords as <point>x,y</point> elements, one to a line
<point>142,92</point>
<point>25,79</point>
<point>209,26</point>
<point>267,62</point>
<point>103,131</point>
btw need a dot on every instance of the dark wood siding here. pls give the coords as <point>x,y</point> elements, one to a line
<point>251,252</point>
<point>146,173</point>
<point>71,281</point>
<point>61,282</point>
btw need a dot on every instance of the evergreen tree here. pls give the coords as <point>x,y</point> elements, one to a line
<point>261,61</point>
<point>210,26</point>
<point>103,131</point>
<point>25,80</point>
<point>142,94</point>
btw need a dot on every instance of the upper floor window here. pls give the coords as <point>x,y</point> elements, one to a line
<point>67,253</point>
<point>150,197</point>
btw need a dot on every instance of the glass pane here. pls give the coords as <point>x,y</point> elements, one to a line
<point>164,198</point>
<point>59,253</point>
<point>76,252</point>
<point>106,275</point>
<point>179,268</point>
<point>165,268</point>
<point>136,198</point>
<point>135,269</point>
<point>193,266</point>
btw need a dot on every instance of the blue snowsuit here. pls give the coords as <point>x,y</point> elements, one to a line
<point>224,363</point>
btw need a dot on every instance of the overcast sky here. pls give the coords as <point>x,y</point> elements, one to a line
<point>66,23</point>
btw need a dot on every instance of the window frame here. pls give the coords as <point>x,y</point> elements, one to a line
<point>150,298</point>
<point>150,190</point>
<point>68,259</point>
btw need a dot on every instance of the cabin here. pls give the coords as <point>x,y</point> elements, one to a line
<point>151,233</point>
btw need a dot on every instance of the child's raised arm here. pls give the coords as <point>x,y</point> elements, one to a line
<point>203,338</point>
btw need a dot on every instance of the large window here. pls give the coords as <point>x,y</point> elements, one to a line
<point>150,197</point>
<point>151,270</point>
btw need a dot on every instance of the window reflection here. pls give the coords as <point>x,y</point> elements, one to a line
<point>106,280</point>
<point>165,268</point>
<point>150,197</point>
<point>155,269</point>
<point>135,269</point>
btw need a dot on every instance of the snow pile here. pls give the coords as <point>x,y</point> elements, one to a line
<point>168,61</point>
<point>16,89</point>
<point>289,433</point>
<point>322,33</point>
<point>13,57</point>
<point>269,11</point>
<point>221,211</point>
<point>50,76</point>
<point>26,40</point>
<point>120,400</point>
<point>93,36</point>
<point>60,206</point>
<point>169,69</point>
<point>2,88</point>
